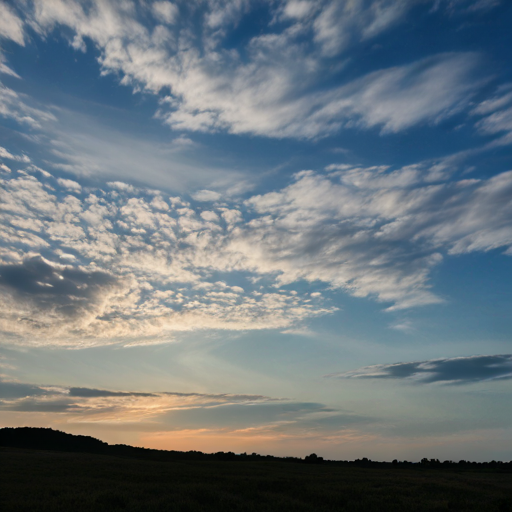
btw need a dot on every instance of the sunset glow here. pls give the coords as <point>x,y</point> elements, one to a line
<point>279,226</point>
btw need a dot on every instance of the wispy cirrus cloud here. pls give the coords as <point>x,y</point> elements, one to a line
<point>272,84</point>
<point>77,143</point>
<point>496,116</point>
<point>377,232</point>
<point>11,26</point>
<point>456,370</point>
<point>17,107</point>
<point>398,98</point>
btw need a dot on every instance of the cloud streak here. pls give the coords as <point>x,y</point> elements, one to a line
<point>181,410</point>
<point>457,370</point>
<point>496,116</point>
<point>226,415</point>
<point>16,106</point>
<point>79,144</point>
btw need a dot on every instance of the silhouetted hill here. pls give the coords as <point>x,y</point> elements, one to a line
<point>49,439</point>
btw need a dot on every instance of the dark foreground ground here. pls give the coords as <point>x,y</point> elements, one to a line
<point>35,480</point>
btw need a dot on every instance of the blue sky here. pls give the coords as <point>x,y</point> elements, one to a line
<point>272,226</point>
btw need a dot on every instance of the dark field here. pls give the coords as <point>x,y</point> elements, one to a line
<point>33,480</point>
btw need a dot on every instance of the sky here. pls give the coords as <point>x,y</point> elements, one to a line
<point>272,226</point>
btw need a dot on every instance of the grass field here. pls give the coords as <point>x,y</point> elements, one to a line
<point>37,481</point>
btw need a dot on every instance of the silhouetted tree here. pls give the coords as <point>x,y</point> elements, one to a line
<point>313,459</point>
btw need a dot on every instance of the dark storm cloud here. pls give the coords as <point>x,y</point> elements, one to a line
<point>457,370</point>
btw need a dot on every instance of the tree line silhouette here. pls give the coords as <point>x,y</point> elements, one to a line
<point>55,440</point>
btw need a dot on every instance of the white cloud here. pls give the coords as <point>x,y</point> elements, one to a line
<point>501,99</point>
<point>78,144</point>
<point>14,107</point>
<point>209,216</point>
<point>165,11</point>
<point>497,116</point>
<point>374,239</point>
<point>497,122</point>
<point>6,70</point>
<point>147,273</point>
<point>340,23</point>
<point>231,217</point>
<point>5,154</point>
<point>267,102</point>
<point>300,331</point>
<point>206,196</point>
<point>70,185</point>
<point>402,326</point>
<point>401,97</point>
<point>479,5</point>
<point>298,9</point>
<point>159,204</point>
<point>123,187</point>
<point>11,26</point>
<point>271,90</point>
<point>35,168</point>
<point>372,232</point>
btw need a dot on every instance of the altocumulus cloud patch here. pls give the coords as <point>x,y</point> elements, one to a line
<point>457,370</point>
<point>90,266</point>
<point>159,253</point>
